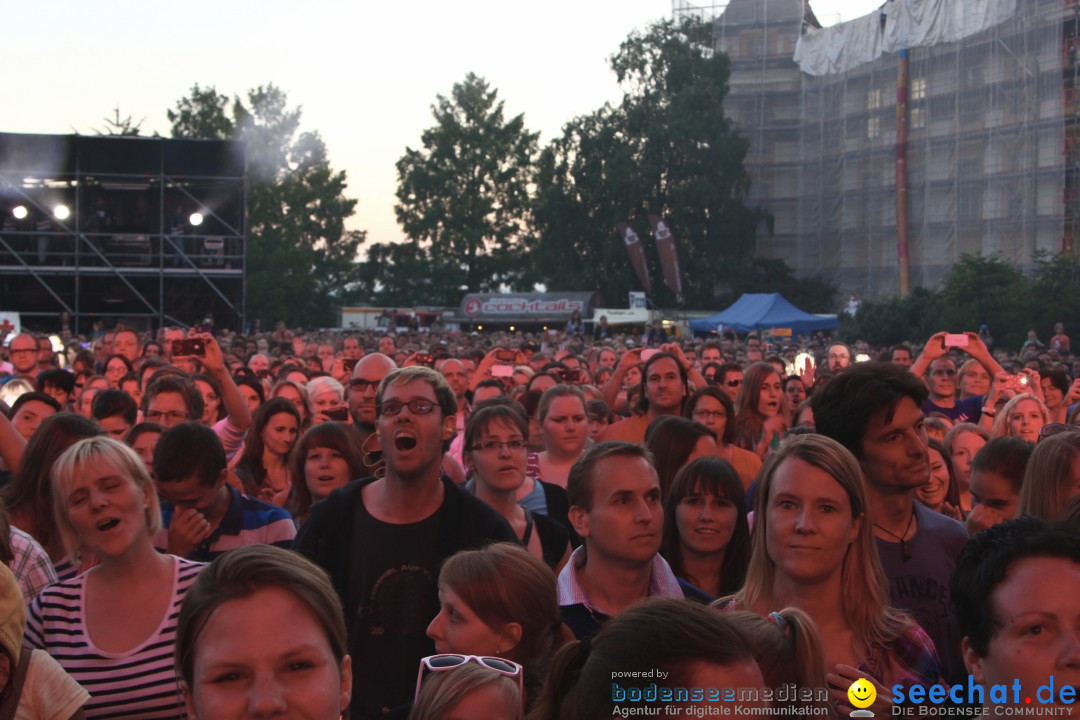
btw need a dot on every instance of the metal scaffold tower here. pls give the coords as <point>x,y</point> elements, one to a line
<point>148,230</point>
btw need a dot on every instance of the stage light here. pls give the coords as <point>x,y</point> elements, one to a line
<point>20,212</point>
<point>196,219</point>
<point>61,212</point>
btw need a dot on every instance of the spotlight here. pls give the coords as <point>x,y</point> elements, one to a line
<point>511,328</point>
<point>19,211</point>
<point>479,327</point>
<point>61,212</point>
<point>196,219</point>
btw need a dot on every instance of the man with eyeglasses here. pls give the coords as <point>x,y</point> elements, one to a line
<point>938,371</point>
<point>382,539</point>
<point>366,376</point>
<point>23,355</point>
<point>171,400</point>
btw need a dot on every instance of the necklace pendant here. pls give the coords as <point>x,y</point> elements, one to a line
<point>905,550</point>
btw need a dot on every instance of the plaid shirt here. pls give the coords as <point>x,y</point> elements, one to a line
<point>31,565</point>
<point>908,660</point>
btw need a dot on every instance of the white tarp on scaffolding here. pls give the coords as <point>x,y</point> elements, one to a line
<point>838,48</point>
<point>907,24</point>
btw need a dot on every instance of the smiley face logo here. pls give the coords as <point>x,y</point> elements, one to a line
<point>862,693</point>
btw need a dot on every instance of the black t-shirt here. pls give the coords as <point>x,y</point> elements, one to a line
<point>392,596</point>
<point>386,577</point>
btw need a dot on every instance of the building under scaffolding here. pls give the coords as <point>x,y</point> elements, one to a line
<point>984,150</point>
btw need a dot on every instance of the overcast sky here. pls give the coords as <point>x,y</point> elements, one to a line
<point>365,73</point>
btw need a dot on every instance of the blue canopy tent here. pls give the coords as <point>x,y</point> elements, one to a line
<point>759,311</point>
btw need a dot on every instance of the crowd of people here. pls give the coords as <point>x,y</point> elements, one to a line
<point>439,526</point>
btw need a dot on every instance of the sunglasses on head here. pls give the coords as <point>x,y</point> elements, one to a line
<point>1051,429</point>
<point>449,661</point>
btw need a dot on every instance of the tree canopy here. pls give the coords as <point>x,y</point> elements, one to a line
<point>978,289</point>
<point>463,199</point>
<point>666,149</point>
<point>301,261</point>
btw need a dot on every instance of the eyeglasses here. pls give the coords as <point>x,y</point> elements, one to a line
<point>1051,429</point>
<point>157,415</point>
<point>496,446</point>
<point>419,406</point>
<point>718,414</point>
<point>438,663</point>
<point>733,383</point>
<point>361,384</point>
<point>25,351</point>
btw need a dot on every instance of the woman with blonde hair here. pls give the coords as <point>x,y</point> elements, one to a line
<point>961,443</point>
<point>1023,417</point>
<point>327,398</point>
<point>113,627</point>
<point>1052,477</point>
<point>973,379</point>
<point>470,688</point>
<point>814,549</point>
<point>759,420</point>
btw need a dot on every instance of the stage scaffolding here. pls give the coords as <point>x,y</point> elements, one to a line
<point>153,232</point>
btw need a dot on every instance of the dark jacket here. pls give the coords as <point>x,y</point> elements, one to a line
<point>327,535</point>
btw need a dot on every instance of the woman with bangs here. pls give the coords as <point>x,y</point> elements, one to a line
<point>973,379</point>
<point>564,424</point>
<point>706,535</point>
<point>496,440</point>
<point>941,493</point>
<point>962,443</point>
<point>323,460</point>
<point>116,367</point>
<point>113,628</point>
<point>794,395</point>
<point>759,422</point>
<point>813,548</point>
<point>295,393</point>
<point>1023,417</point>
<point>712,407</point>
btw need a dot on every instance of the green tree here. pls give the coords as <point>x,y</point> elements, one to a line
<point>986,289</point>
<point>124,126</point>
<point>301,261</point>
<point>667,149</point>
<point>893,320</point>
<point>1054,288</point>
<point>463,199</point>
